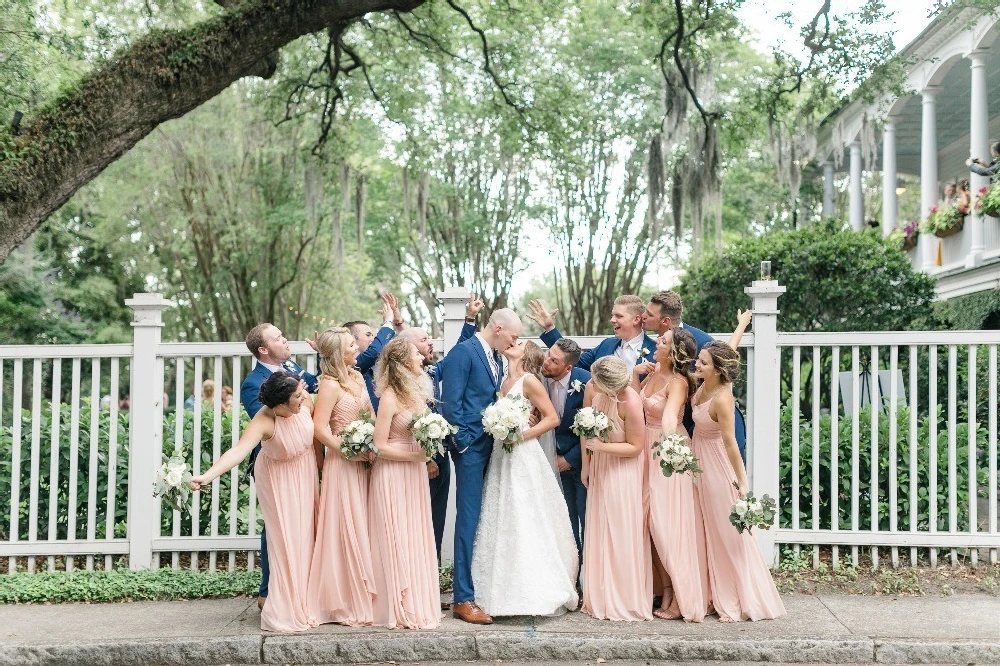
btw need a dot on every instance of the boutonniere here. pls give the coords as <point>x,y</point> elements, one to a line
<point>643,353</point>
<point>290,367</point>
<point>575,386</point>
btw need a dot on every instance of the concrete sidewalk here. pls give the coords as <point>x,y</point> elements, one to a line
<point>821,629</point>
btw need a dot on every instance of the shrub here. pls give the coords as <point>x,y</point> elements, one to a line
<point>124,585</point>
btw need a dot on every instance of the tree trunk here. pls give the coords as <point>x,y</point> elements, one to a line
<point>162,76</point>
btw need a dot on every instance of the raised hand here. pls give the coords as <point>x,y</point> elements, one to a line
<point>314,343</point>
<point>643,368</point>
<point>542,316</point>
<point>390,300</point>
<point>744,317</point>
<point>385,310</point>
<point>474,306</point>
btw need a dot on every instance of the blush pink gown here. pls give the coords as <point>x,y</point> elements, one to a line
<point>675,524</point>
<point>288,490</point>
<point>341,584</point>
<point>617,573</point>
<point>741,584</point>
<point>404,559</point>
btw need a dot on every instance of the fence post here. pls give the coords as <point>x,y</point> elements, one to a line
<point>763,446</point>
<point>144,438</point>
<point>454,300</point>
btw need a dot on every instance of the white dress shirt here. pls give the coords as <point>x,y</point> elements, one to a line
<point>628,351</point>
<point>558,392</point>
<point>490,358</point>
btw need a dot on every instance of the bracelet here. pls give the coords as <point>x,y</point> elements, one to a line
<point>470,320</point>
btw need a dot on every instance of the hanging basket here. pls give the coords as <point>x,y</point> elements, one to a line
<point>990,212</point>
<point>952,230</point>
<point>909,242</point>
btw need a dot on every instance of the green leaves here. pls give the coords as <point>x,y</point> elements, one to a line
<point>124,585</point>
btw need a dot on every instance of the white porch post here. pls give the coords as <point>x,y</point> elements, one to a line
<point>979,127</point>
<point>928,171</point>
<point>763,446</point>
<point>889,177</point>
<point>454,300</point>
<point>828,196</point>
<point>857,215</point>
<point>145,430</point>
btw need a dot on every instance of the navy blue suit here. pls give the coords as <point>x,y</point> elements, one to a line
<point>440,485</point>
<point>366,360</point>
<point>606,348</point>
<point>568,446</point>
<point>250,399</point>
<point>468,387</point>
<point>701,338</point>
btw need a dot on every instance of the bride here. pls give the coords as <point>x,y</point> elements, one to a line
<point>524,561</point>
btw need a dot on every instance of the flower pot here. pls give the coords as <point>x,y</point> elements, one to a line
<point>952,230</point>
<point>991,212</point>
<point>909,242</point>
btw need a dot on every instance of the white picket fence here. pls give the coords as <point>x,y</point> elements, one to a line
<point>79,481</point>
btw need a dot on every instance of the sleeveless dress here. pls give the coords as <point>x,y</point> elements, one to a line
<point>288,490</point>
<point>617,576</point>
<point>741,584</point>
<point>674,521</point>
<point>341,584</point>
<point>404,559</point>
<point>524,561</point>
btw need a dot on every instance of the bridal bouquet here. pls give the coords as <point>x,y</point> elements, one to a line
<point>359,437</point>
<point>751,512</point>
<point>430,431</point>
<point>590,423</point>
<point>506,419</point>
<point>675,455</point>
<point>173,482</point>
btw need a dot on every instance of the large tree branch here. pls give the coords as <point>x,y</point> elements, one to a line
<point>160,77</point>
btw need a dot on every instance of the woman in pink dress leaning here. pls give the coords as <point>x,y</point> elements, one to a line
<point>404,559</point>
<point>341,584</point>
<point>674,520</point>
<point>617,576</point>
<point>287,488</point>
<point>741,584</point>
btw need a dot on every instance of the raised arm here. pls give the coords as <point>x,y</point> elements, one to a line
<point>743,318</point>
<point>538,396</point>
<point>387,407</point>
<point>677,395</point>
<point>643,370</point>
<point>261,427</point>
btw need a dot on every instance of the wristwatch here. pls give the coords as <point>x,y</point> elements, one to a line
<point>470,320</point>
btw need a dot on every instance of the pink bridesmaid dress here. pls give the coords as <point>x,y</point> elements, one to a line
<point>617,576</point>
<point>288,490</point>
<point>404,559</point>
<point>742,587</point>
<point>674,522</point>
<point>341,584</point>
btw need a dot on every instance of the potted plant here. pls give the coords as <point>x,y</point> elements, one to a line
<point>905,237</point>
<point>944,220</point>
<point>988,201</point>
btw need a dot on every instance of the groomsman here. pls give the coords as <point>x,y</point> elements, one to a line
<point>565,384</point>
<point>370,344</point>
<point>628,343</point>
<point>663,313</point>
<point>272,352</point>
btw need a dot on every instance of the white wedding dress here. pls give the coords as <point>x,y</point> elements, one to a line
<point>524,561</point>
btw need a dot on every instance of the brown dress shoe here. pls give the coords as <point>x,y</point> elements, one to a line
<point>469,612</point>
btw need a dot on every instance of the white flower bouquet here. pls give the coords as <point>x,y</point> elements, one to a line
<point>359,437</point>
<point>173,482</point>
<point>675,455</point>
<point>430,431</point>
<point>506,419</point>
<point>591,423</point>
<point>751,512</point>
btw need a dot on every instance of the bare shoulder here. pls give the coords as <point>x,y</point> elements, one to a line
<point>532,383</point>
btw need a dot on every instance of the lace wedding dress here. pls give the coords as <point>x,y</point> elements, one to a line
<point>524,561</point>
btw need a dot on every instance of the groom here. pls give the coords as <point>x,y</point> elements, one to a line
<point>473,372</point>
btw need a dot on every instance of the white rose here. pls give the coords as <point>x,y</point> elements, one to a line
<point>755,506</point>
<point>173,478</point>
<point>177,465</point>
<point>740,508</point>
<point>434,431</point>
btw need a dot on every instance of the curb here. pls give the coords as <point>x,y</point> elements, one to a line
<point>401,647</point>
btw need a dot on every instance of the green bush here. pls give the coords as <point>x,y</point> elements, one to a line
<point>124,585</point>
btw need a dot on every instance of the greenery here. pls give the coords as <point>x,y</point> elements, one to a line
<point>979,311</point>
<point>942,218</point>
<point>837,280</point>
<point>988,200</point>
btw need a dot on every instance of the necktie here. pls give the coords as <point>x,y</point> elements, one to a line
<point>555,395</point>
<point>495,366</point>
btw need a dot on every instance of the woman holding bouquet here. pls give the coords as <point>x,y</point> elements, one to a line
<point>617,576</point>
<point>287,489</point>
<point>404,559</point>
<point>674,522</point>
<point>341,585</point>
<point>741,585</point>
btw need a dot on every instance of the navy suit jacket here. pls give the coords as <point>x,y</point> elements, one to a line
<point>366,360</point>
<point>606,348</point>
<point>568,444</point>
<point>250,388</point>
<point>468,387</point>
<point>701,338</point>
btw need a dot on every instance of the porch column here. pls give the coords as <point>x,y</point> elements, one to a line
<point>979,129</point>
<point>889,177</point>
<point>828,200</point>
<point>928,172</point>
<point>857,215</point>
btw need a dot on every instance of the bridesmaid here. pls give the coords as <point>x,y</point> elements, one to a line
<point>674,523</point>
<point>287,489</point>
<point>741,584</point>
<point>340,580</point>
<point>404,558</point>
<point>617,578</point>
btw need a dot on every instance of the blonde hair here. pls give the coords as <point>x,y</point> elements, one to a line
<point>207,389</point>
<point>610,374</point>
<point>331,346</point>
<point>632,303</point>
<point>532,360</point>
<point>392,373</point>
